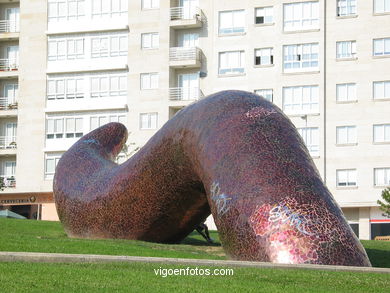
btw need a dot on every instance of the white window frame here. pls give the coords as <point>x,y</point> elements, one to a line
<point>151,119</point>
<point>385,180</point>
<point>346,135</point>
<point>54,158</point>
<point>150,4</point>
<point>74,131</point>
<point>346,50</point>
<point>381,6</point>
<point>383,131</point>
<point>228,57</point>
<point>301,16</point>
<point>267,94</point>
<point>311,138</point>
<point>98,120</point>
<point>264,15</point>
<point>346,7</point>
<point>346,92</point>
<point>301,57</point>
<point>381,90</point>
<point>55,48</point>
<point>301,100</point>
<point>237,25</point>
<point>264,57</point>
<point>108,85</point>
<point>381,47</point>
<point>350,175</point>
<point>150,41</point>
<point>62,10</point>
<point>65,87</point>
<point>108,46</point>
<point>149,81</point>
<point>109,8</point>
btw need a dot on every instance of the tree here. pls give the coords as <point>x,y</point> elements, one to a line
<point>385,205</point>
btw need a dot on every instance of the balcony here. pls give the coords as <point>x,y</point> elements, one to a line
<point>9,26</point>
<point>184,57</point>
<point>7,142</point>
<point>186,17</point>
<point>9,67</point>
<point>8,181</point>
<point>185,94</point>
<point>8,103</point>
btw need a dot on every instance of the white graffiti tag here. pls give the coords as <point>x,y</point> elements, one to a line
<point>221,200</point>
<point>285,215</point>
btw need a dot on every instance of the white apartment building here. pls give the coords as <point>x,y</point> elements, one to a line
<point>69,66</point>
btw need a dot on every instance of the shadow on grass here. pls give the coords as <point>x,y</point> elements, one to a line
<point>379,258</point>
<point>196,239</point>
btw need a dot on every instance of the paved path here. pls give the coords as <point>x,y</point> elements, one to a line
<point>82,258</point>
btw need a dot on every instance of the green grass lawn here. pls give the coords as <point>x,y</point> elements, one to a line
<point>41,236</point>
<point>139,277</point>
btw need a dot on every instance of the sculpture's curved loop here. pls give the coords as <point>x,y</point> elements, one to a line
<point>233,153</point>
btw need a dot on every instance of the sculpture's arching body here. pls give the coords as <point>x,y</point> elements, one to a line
<point>232,153</point>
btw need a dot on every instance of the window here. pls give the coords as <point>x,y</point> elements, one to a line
<point>346,135</point>
<point>267,94</point>
<point>75,49</point>
<point>346,7</point>
<point>108,85</point>
<point>264,15</point>
<point>96,121</point>
<point>301,100</point>
<point>68,88</point>
<point>63,10</point>
<point>148,120</point>
<point>149,81</point>
<point>301,16</point>
<point>150,4</point>
<point>311,138</point>
<point>381,6</point>
<point>109,8</point>
<point>232,62</point>
<point>382,47</point>
<point>346,178</point>
<point>382,133</point>
<point>302,57</point>
<point>150,41</point>
<point>346,50</point>
<point>51,161</point>
<point>56,50</point>
<point>382,176</point>
<point>109,46</point>
<point>231,22</point>
<point>64,127</point>
<point>346,92</point>
<point>264,56</point>
<point>382,89</point>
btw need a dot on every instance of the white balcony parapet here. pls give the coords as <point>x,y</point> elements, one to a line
<point>9,26</point>
<point>184,53</point>
<point>8,103</point>
<point>9,181</point>
<point>7,142</point>
<point>182,13</point>
<point>185,94</point>
<point>9,64</point>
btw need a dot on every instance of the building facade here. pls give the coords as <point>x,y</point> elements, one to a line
<point>69,66</point>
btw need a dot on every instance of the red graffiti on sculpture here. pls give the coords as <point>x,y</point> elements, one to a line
<point>233,154</point>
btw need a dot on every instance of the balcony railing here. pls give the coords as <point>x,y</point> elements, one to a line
<point>8,181</point>
<point>7,142</point>
<point>185,94</point>
<point>184,53</point>
<point>8,103</point>
<point>182,13</point>
<point>9,64</point>
<point>9,26</point>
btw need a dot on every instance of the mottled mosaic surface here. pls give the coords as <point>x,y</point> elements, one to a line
<point>233,154</point>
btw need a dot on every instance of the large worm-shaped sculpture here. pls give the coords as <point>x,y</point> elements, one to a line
<point>234,154</point>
